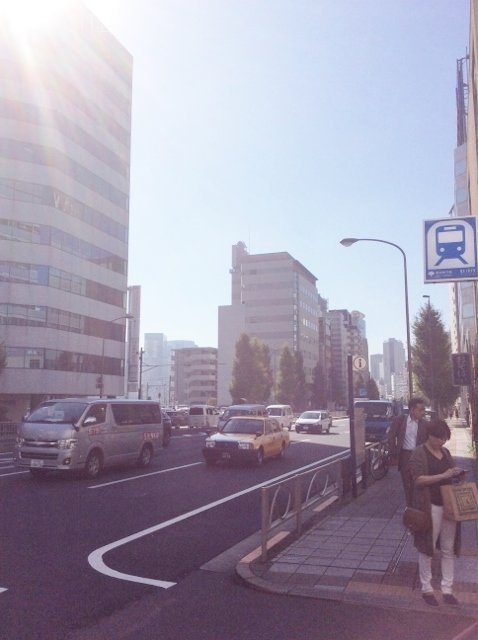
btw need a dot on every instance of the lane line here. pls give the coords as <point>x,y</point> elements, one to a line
<point>15,473</point>
<point>2,589</point>
<point>145,475</point>
<point>95,558</point>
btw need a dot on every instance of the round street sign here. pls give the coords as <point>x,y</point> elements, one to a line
<point>359,363</point>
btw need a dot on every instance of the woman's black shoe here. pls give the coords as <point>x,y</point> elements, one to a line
<point>449,598</point>
<point>431,600</point>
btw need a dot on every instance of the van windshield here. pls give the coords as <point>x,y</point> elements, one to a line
<point>275,411</point>
<point>59,412</point>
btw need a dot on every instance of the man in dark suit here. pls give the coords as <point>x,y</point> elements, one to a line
<point>406,433</point>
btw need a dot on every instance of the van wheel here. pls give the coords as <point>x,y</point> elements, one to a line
<point>282,451</point>
<point>297,429</point>
<point>145,456</point>
<point>166,437</point>
<point>93,465</point>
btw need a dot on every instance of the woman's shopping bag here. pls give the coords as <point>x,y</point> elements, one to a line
<point>460,501</point>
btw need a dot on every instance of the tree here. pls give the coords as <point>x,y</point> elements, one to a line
<point>264,379</point>
<point>286,379</point>
<point>318,388</point>
<point>431,358</point>
<point>359,384</point>
<point>251,372</point>
<point>372,390</point>
<point>299,398</point>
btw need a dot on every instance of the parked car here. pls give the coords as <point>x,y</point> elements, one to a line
<point>282,413</point>
<point>315,421</point>
<point>167,427</point>
<point>247,438</point>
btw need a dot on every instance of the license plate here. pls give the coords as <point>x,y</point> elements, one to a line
<point>36,463</point>
<point>226,455</point>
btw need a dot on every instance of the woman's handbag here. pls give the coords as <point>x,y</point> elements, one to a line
<point>460,501</point>
<point>417,521</point>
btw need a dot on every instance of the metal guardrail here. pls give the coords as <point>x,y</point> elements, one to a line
<point>8,429</point>
<point>287,499</point>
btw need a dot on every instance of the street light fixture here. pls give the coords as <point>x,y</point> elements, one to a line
<point>126,316</point>
<point>348,242</point>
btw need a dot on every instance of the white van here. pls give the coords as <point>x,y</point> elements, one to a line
<point>202,416</point>
<point>282,413</point>
<point>78,433</point>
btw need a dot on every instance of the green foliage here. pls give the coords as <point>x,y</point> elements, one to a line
<point>299,398</point>
<point>431,358</point>
<point>372,390</point>
<point>286,377</point>
<point>318,388</point>
<point>291,385</point>
<point>251,372</point>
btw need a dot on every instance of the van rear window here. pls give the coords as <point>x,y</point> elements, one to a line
<point>196,411</point>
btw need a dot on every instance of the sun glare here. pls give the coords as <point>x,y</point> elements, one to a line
<point>27,15</point>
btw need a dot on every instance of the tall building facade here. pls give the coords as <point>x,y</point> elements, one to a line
<point>195,376</point>
<point>65,125</point>
<point>348,337</point>
<point>273,298</point>
<point>158,378</point>
<point>394,370</point>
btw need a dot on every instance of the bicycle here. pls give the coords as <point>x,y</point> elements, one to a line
<point>379,460</point>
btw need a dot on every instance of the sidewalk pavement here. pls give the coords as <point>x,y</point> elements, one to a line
<point>361,552</point>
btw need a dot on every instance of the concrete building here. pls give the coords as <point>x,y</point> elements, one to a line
<point>195,375</point>
<point>348,337</point>
<point>325,354</point>
<point>273,298</point>
<point>157,381</point>
<point>65,122</point>
<point>376,372</point>
<point>393,363</point>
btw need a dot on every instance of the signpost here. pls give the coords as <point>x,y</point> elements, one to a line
<point>451,250</point>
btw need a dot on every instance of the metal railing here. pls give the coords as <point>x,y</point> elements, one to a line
<point>285,500</point>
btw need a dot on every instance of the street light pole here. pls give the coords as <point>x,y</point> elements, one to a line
<point>347,242</point>
<point>100,382</point>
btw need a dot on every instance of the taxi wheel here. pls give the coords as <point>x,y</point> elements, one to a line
<point>260,457</point>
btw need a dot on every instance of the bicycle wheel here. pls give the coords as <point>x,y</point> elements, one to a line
<point>379,462</point>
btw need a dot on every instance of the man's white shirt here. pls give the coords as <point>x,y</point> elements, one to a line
<point>410,441</point>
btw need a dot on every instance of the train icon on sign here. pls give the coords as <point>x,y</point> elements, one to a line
<point>451,249</point>
<point>450,242</point>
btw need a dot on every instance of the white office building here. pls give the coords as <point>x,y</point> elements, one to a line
<point>65,125</point>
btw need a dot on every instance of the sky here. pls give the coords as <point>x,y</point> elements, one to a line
<point>289,125</point>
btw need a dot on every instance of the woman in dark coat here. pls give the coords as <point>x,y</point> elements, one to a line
<point>431,466</point>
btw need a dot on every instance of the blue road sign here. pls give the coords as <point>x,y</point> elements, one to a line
<point>450,250</point>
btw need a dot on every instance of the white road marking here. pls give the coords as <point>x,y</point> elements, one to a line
<point>95,558</point>
<point>3,589</point>
<point>6,461</point>
<point>15,473</point>
<point>145,475</point>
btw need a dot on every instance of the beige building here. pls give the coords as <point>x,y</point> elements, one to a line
<point>273,298</point>
<point>65,124</point>
<point>194,376</point>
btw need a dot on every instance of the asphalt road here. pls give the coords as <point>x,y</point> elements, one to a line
<point>82,559</point>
